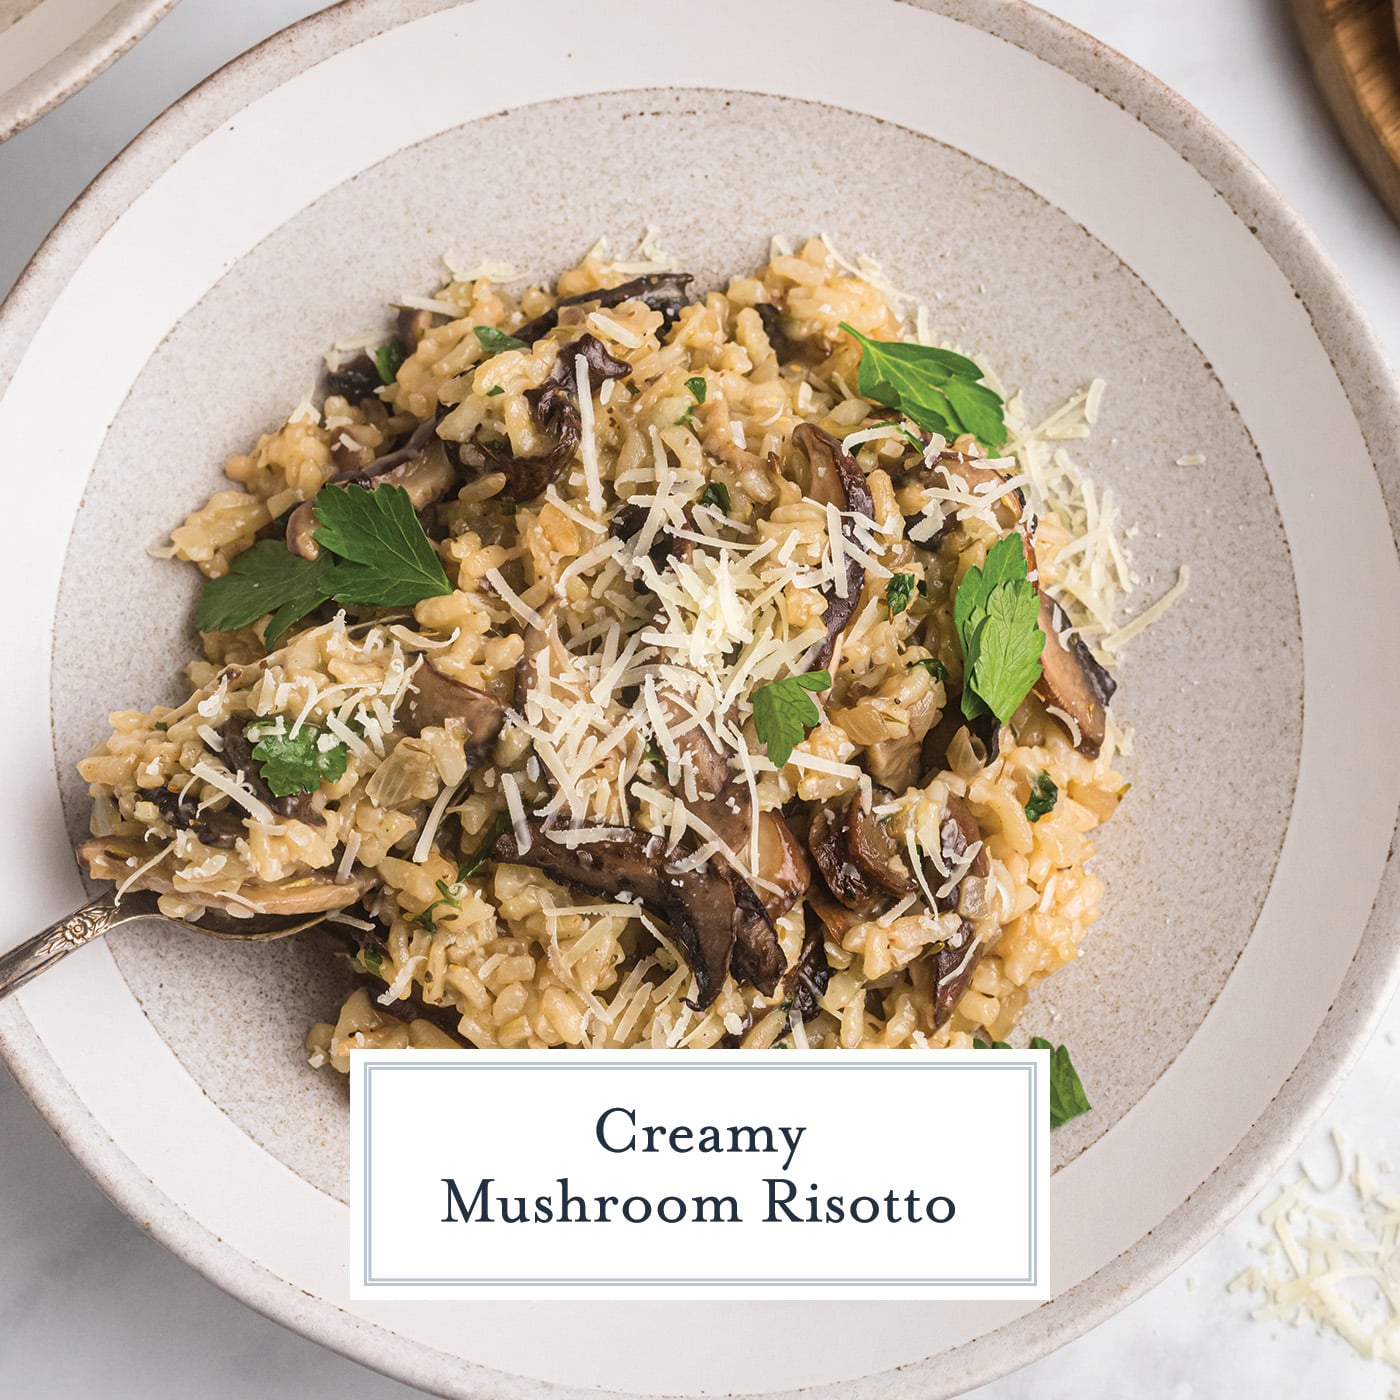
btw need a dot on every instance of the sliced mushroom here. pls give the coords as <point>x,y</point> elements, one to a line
<point>895,763</point>
<point>953,966</point>
<point>829,475</point>
<point>554,408</point>
<point>315,893</point>
<point>806,980</point>
<point>844,878</point>
<point>959,831</point>
<point>1072,681</point>
<point>662,291</point>
<point>437,701</point>
<point>705,906</point>
<point>421,466</point>
<point>220,828</point>
<point>874,851</point>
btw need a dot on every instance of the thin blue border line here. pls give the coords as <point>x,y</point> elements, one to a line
<point>1030,1281</point>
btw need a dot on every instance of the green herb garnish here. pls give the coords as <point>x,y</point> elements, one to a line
<point>388,358</point>
<point>373,961</point>
<point>716,494</point>
<point>494,341</point>
<point>940,391</point>
<point>898,591</point>
<point>385,561</point>
<point>696,385</point>
<point>783,712</point>
<point>268,578</point>
<point>494,390</point>
<point>995,612</point>
<point>934,667</point>
<point>293,763</point>
<point>482,854</point>
<point>1067,1097</point>
<point>1043,796</point>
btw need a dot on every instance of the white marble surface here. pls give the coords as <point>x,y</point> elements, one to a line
<point>89,1305</point>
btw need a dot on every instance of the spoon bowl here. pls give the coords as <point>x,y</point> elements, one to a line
<point>112,909</point>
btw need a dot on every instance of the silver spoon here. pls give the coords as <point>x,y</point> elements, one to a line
<point>105,913</point>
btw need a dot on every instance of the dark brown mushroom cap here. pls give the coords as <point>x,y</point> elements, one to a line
<point>707,906</point>
<point>554,407</point>
<point>1072,681</point>
<point>952,970</point>
<point>826,840</point>
<point>662,291</point>
<point>806,980</point>
<point>437,701</point>
<point>219,827</point>
<point>355,380</point>
<point>828,474</point>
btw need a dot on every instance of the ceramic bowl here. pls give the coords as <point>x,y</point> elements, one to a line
<point>51,48</point>
<point>1059,212</point>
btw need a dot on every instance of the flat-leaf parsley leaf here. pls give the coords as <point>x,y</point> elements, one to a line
<point>996,611</point>
<point>1043,797</point>
<point>937,389</point>
<point>1067,1097</point>
<point>387,560</point>
<point>783,712</point>
<point>268,578</point>
<point>293,763</point>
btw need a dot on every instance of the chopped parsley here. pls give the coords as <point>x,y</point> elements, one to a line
<point>934,667</point>
<point>1043,796</point>
<point>996,611</point>
<point>373,961</point>
<point>940,391</point>
<point>783,712</point>
<point>696,385</point>
<point>293,763</point>
<point>384,560</point>
<point>494,341</point>
<point>388,358</point>
<point>482,854</point>
<point>716,494</point>
<point>494,390</point>
<point>898,591</point>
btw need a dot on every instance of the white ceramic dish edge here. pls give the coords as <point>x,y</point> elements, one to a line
<point>1356,355</point>
<point>56,80</point>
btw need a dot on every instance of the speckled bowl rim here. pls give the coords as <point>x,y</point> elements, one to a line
<point>77,65</point>
<point>1374,395</point>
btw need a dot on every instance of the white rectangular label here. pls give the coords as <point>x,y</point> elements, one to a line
<point>640,1174</point>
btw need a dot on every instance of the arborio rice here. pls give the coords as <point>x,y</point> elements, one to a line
<point>542,797</point>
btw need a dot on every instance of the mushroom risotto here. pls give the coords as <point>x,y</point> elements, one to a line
<point>619,665</point>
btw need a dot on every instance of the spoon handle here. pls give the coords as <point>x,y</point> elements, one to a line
<point>58,940</point>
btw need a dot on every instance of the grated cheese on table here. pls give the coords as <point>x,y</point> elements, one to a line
<point>1334,1257</point>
